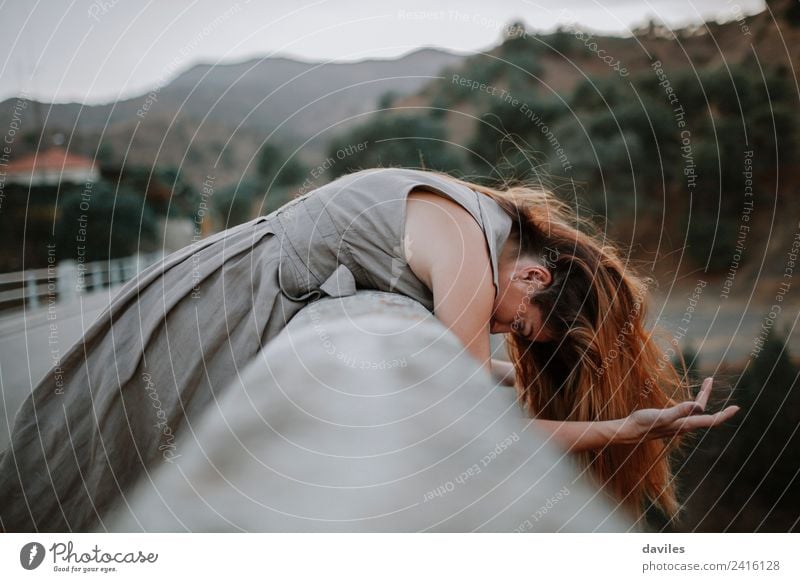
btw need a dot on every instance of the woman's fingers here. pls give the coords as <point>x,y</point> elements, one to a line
<point>681,418</point>
<point>675,413</point>
<point>684,411</point>
<point>705,392</point>
<point>690,423</point>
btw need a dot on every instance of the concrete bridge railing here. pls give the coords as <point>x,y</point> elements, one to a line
<point>365,414</point>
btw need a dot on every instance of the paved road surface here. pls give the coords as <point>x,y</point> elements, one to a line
<point>31,342</point>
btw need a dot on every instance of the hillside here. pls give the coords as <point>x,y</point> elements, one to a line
<point>228,110</point>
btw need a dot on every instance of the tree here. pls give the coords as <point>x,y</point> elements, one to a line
<point>276,170</point>
<point>102,222</point>
<point>183,197</point>
<point>234,205</point>
<point>394,140</point>
<point>385,101</point>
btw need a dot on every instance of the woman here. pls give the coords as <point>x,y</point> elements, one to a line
<point>483,261</point>
<point>584,364</point>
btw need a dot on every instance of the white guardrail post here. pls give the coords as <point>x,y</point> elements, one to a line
<point>68,284</point>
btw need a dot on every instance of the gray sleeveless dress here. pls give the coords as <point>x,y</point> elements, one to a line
<point>173,338</point>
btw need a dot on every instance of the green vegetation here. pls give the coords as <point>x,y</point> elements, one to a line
<point>274,169</point>
<point>276,179</point>
<point>103,222</point>
<point>396,140</point>
<point>234,205</point>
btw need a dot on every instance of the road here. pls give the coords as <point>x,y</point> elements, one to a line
<point>30,344</point>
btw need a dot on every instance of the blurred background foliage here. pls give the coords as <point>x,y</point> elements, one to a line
<point>744,476</point>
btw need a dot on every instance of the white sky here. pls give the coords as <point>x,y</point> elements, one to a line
<point>100,50</point>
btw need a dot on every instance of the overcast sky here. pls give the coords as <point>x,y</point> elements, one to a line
<point>101,50</point>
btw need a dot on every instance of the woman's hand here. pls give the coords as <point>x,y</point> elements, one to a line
<point>653,423</point>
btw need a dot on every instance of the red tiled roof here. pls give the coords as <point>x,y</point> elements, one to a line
<point>53,159</point>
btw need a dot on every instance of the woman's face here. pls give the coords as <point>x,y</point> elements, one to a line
<point>513,311</point>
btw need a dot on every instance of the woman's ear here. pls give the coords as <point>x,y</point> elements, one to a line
<point>543,275</point>
<point>537,274</point>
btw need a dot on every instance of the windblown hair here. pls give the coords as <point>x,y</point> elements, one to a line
<point>603,363</point>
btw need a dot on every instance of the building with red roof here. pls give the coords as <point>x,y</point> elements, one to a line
<point>50,167</point>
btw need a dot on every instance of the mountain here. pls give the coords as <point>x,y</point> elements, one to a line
<point>212,119</point>
<point>264,94</point>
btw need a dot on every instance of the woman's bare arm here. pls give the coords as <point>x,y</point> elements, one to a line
<point>446,249</point>
<point>641,425</point>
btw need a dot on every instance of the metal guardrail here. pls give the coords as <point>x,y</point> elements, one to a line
<point>63,281</point>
